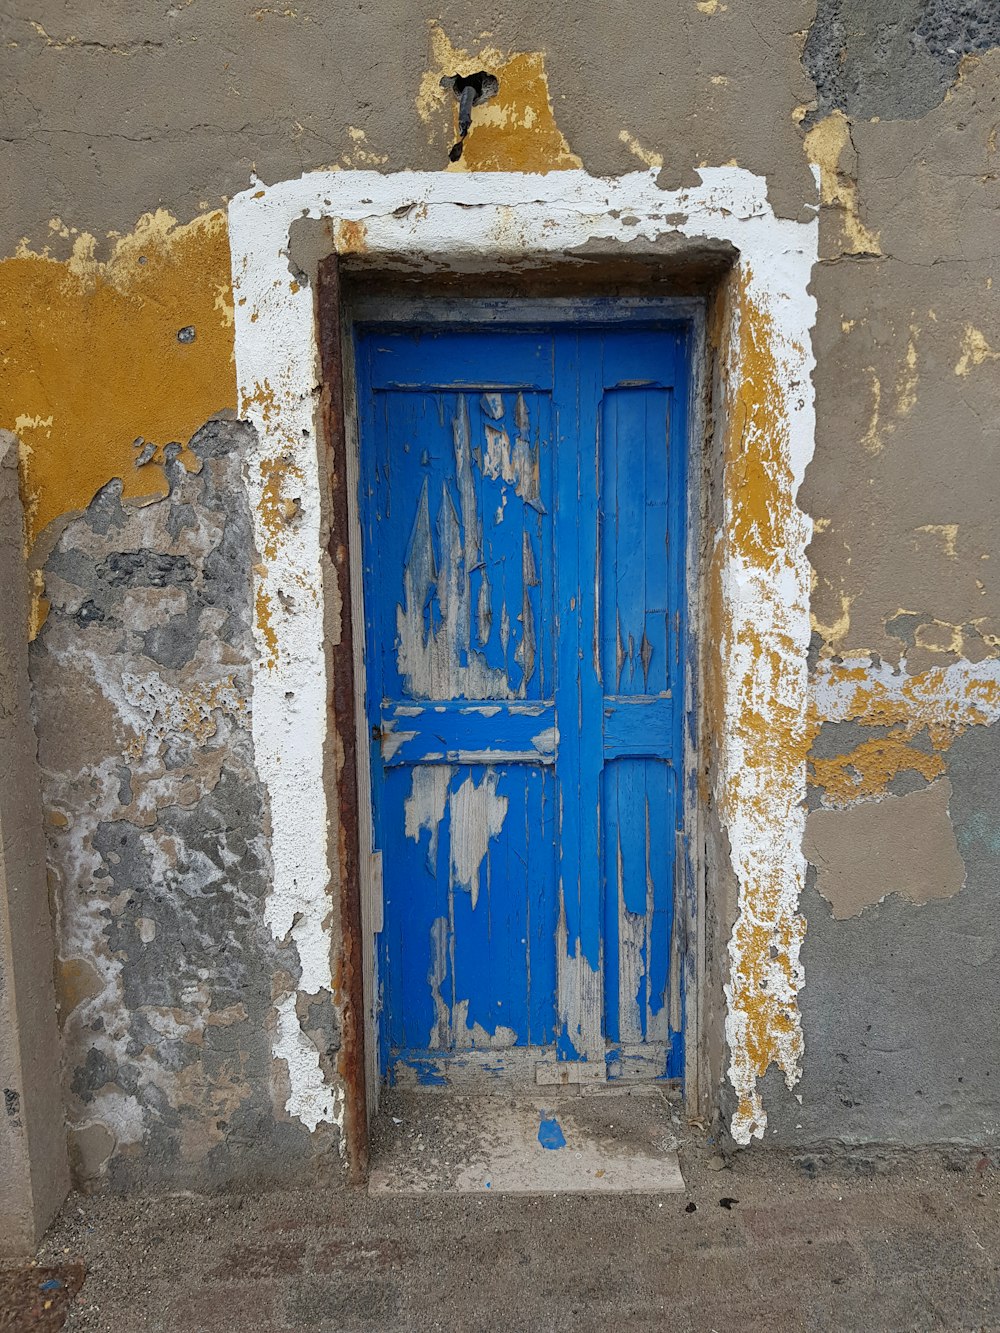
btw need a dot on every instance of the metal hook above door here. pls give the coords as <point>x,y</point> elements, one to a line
<point>470,90</point>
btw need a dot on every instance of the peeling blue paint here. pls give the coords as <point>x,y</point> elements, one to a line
<point>522,505</point>
<point>550,1133</point>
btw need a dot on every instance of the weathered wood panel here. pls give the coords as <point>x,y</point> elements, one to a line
<point>522,521</point>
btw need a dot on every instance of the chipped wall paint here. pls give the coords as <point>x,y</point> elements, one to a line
<point>463,222</point>
<point>975,351</point>
<point>900,844</point>
<point>916,720</point>
<point>513,131</point>
<point>865,772</point>
<point>151,325</point>
<point>764,589</point>
<point>285,486</point>
<point>157,836</point>
<point>829,145</point>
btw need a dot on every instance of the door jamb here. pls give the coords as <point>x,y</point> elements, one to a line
<point>344,715</point>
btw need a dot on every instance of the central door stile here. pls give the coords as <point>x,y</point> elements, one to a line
<point>580,956</point>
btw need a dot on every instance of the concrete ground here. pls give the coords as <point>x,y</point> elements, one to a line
<point>771,1242</point>
<point>552,1141</point>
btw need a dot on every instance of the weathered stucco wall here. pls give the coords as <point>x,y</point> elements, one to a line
<point>185,1017</point>
<point>900,950</point>
<point>34,1173</point>
<point>158,835</point>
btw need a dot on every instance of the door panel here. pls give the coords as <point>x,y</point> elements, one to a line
<point>638,834</point>
<point>640,664</point>
<point>461,530</point>
<point>522,521</point>
<point>472,962</point>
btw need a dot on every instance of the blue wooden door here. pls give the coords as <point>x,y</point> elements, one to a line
<point>522,510</point>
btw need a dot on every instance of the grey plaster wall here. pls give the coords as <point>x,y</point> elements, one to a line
<point>894,59</point>
<point>900,1007</point>
<point>157,840</point>
<point>174,105</point>
<point>33,1169</point>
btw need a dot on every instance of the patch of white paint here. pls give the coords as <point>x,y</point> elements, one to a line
<point>310,1097</point>
<point>956,696</point>
<point>464,223</point>
<point>278,394</point>
<point>121,1114</point>
<point>477,815</point>
<point>766,631</point>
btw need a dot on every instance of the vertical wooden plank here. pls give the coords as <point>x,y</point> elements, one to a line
<point>578,692</point>
<point>371,481</point>
<point>660,821</point>
<point>636,563</point>
<point>611,872</point>
<point>677,514</point>
<point>623,424</point>
<point>568,458</point>
<point>659,554</point>
<point>543,910</point>
<point>591,374</point>
<point>640,578</point>
<point>679,954</point>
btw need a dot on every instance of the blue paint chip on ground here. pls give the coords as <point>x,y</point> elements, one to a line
<point>50,1284</point>
<point>550,1133</point>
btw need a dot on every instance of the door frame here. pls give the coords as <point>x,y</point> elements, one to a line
<point>406,309</point>
<point>718,234</point>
